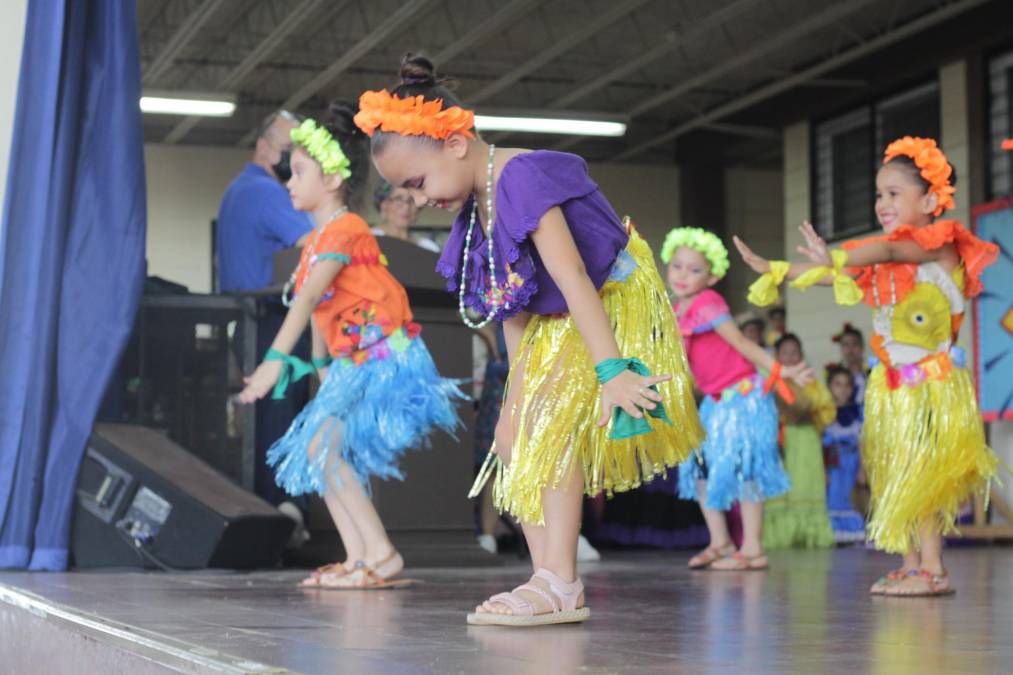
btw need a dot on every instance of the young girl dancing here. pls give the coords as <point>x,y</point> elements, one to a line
<point>923,442</point>
<point>799,517</point>
<point>380,393</point>
<point>739,461</point>
<point>538,246</point>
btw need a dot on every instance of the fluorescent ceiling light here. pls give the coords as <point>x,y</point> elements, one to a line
<point>185,103</point>
<point>550,125</point>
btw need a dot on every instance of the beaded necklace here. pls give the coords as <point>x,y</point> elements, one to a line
<point>286,299</point>
<point>493,307</point>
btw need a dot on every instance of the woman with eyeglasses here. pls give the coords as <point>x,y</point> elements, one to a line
<point>398,212</point>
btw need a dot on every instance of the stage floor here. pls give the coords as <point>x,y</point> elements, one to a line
<point>809,614</point>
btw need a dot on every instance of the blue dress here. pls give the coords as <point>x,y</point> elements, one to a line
<point>841,442</point>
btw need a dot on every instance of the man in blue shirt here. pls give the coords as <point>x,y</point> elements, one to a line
<point>255,220</point>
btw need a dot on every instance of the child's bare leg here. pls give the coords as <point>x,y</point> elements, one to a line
<point>556,541</point>
<point>912,560</point>
<point>376,544</point>
<point>752,528</point>
<point>351,538</point>
<point>717,525</point>
<point>930,577</point>
<point>717,522</point>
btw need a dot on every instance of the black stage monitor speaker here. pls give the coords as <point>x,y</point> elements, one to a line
<point>144,501</point>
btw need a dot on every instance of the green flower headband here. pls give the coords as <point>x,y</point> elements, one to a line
<point>321,146</point>
<point>702,241</point>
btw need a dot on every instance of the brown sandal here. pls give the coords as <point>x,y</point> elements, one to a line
<point>367,578</point>
<point>313,580</point>
<point>739,562</point>
<point>709,555</point>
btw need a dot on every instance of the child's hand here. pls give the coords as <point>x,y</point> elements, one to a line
<point>815,249</point>
<point>630,392</point>
<point>800,373</point>
<point>260,383</point>
<point>758,264</point>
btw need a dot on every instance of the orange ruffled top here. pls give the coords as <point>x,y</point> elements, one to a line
<point>974,253</point>
<point>364,304</point>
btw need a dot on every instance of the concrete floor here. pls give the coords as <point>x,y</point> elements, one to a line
<point>809,614</point>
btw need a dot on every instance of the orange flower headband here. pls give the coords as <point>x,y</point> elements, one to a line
<point>412,116</point>
<point>932,164</point>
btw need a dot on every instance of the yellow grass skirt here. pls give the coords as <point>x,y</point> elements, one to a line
<point>555,417</point>
<point>925,454</point>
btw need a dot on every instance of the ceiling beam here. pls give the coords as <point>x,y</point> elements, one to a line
<point>745,58</point>
<point>672,41</point>
<point>803,29</point>
<point>393,23</point>
<point>175,44</point>
<point>256,55</point>
<point>744,130</point>
<point>564,45</point>
<point>802,77</point>
<point>508,12</point>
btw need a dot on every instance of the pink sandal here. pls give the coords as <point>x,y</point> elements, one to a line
<point>934,585</point>
<point>561,596</point>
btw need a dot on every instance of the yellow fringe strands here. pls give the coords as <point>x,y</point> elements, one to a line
<point>559,403</point>
<point>925,454</point>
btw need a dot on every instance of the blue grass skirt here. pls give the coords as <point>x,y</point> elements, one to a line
<point>739,459</point>
<point>369,414</point>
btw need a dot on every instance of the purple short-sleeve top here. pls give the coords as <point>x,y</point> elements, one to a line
<point>530,184</point>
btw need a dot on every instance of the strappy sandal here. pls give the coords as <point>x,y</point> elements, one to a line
<point>337,569</point>
<point>739,562</point>
<point>367,578</point>
<point>561,596</point>
<point>889,579</point>
<point>709,555</point>
<point>935,585</point>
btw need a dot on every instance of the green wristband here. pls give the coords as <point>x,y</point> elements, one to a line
<point>625,425</point>
<point>293,369</point>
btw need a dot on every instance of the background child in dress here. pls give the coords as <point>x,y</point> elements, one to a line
<point>841,452</point>
<point>799,517</point>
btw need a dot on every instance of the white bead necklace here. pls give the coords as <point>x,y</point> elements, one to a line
<point>493,305</point>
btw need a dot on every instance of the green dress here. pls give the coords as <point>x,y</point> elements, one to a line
<point>799,519</point>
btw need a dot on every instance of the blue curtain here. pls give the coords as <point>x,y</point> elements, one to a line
<point>71,259</point>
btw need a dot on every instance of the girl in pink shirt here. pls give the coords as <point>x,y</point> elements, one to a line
<point>739,460</point>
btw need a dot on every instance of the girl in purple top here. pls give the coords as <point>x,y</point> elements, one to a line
<point>582,304</point>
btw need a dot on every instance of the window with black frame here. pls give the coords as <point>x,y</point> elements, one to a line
<point>1000,91</point>
<point>847,154</point>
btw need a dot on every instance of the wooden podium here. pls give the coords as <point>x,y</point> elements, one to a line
<point>428,515</point>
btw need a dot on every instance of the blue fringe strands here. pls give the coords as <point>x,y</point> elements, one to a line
<point>741,455</point>
<point>368,414</point>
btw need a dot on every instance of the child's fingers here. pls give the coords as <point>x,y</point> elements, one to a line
<point>652,380</point>
<point>631,409</point>
<point>643,402</point>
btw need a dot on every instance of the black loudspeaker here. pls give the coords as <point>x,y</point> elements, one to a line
<point>143,501</point>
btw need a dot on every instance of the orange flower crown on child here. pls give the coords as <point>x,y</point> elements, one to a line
<point>412,116</point>
<point>932,165</point>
